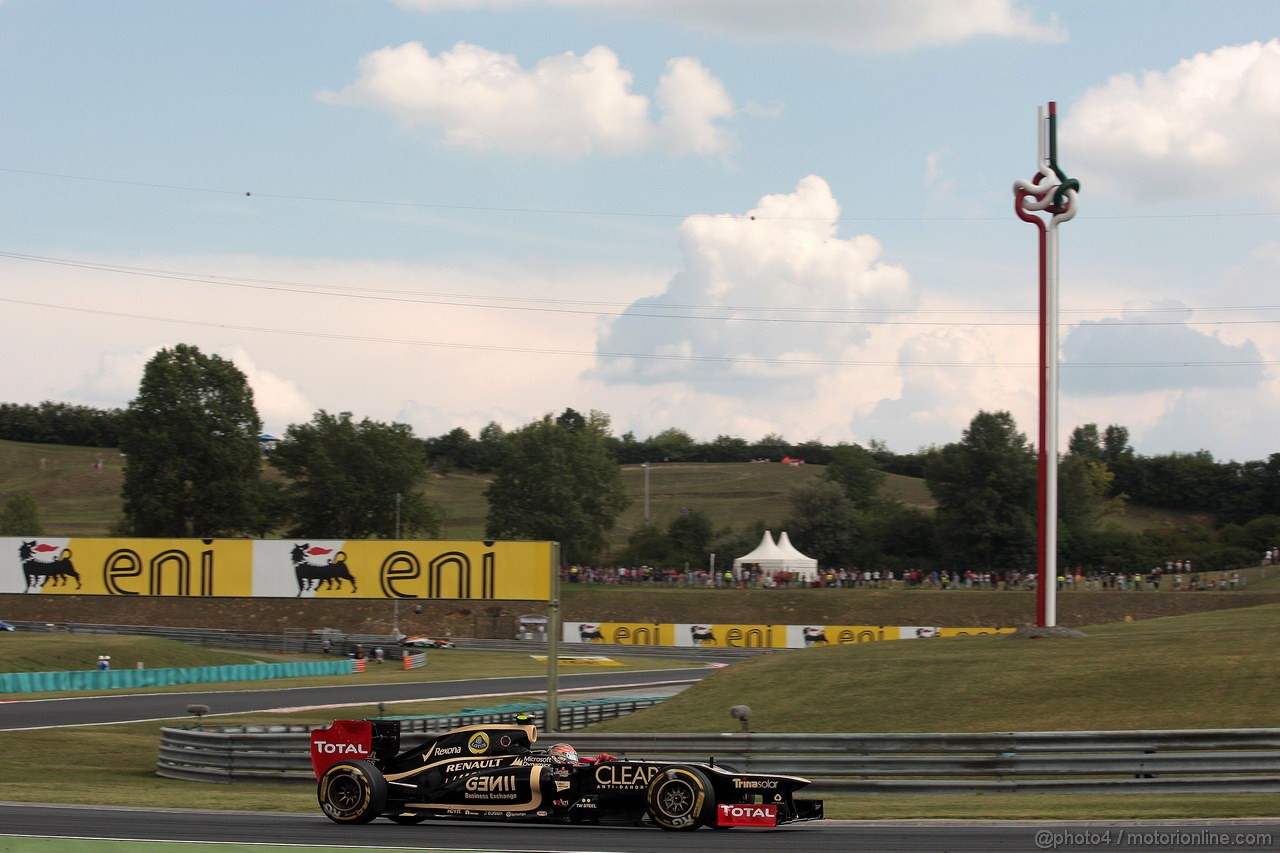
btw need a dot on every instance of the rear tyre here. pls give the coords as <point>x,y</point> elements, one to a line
<point>680,799</point>
<point>352,792</point>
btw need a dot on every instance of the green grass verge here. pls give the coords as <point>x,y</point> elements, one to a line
<point>1206,670</point>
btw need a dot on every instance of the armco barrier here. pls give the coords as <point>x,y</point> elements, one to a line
<point>31,682</point>
<point>1187,761</point>
<point>282,752</point>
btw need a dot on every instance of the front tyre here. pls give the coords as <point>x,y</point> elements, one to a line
<point>352,792</point>
<point>680,799</point>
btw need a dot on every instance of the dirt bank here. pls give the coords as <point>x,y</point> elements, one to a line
<point>959,608</point>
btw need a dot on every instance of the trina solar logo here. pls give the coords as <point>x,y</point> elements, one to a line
<point>755,783</point>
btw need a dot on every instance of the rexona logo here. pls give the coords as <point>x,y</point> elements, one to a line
<point>729,814</point>
<point>449,750</point>
<point>478,744</point>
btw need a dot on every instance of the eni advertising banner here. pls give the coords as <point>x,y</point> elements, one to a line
<point>233,568</point>
<point>738,636</point>
<point>622,633</point>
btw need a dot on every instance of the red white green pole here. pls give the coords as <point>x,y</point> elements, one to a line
<point>1049,192</point>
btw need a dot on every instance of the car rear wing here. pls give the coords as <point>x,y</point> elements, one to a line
<point>367,740</point>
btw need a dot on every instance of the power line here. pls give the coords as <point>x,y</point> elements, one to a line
<point>579,212</point>
<point>798,362</point>
<point>722,312</point>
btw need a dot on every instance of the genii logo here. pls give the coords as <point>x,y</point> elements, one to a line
<point>479,744</point>
<point>345,739</point>
<point>746,814</point>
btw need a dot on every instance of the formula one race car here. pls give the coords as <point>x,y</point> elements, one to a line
<point>492,772</point>
<point>422,642</point>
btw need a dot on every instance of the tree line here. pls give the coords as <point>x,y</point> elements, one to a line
<point>196,468</point>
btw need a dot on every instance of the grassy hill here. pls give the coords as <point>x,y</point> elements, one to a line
<point>1118,677</point>
<point>76,498</point>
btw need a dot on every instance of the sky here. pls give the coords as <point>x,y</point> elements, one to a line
<point>729,217</point>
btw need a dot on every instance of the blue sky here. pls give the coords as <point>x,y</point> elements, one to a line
<point>732,217</point>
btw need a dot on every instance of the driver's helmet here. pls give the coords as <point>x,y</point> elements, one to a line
<point>562,753</point>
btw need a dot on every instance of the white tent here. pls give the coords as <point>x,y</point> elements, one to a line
<point>781,556</point>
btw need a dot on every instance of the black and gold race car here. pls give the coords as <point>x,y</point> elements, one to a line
<point>493,772</point>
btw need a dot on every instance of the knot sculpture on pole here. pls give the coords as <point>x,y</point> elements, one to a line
<point>1047,200</point>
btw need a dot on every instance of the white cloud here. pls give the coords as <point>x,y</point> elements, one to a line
<point>859,25</point>
<point>692,101</point>
<point>1130,343</point>
<point>567,105</point>
<point>1205,127</point>
<point>957,371</point>
<point>784,254</point>
<point>278,399</point>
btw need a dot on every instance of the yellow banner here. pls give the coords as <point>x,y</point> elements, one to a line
<point>222,568</point>
<point>624,633</point>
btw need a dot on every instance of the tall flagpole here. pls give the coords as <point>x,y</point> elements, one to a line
<point>1051,192</point>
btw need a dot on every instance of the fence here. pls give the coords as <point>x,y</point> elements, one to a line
<point>1186,761</point>
<point>93,679</point>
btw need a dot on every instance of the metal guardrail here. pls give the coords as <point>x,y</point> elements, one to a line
<point>282,752</point>
<point>1188,761</point>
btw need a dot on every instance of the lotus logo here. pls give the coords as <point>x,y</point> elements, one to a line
<point>478,744</point>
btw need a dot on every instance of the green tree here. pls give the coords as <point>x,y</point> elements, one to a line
<point>671,445</point>
<point>985,487</point>
<point>557,483</point>
<point>855,470</point>
<point>191,442</point>
<point>489,451</point>
<point>647,546</point>
<point>690,536</point>
<point>20,517</point>
<point>454,449</point>
<point>350,480</point>
<point>1086,442</point>
<point>823,522</point>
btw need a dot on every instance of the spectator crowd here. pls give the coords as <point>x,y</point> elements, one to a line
<point>1174,575</point>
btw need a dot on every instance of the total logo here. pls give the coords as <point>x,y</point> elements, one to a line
<point>729,814</point>
<point>327,748</point>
